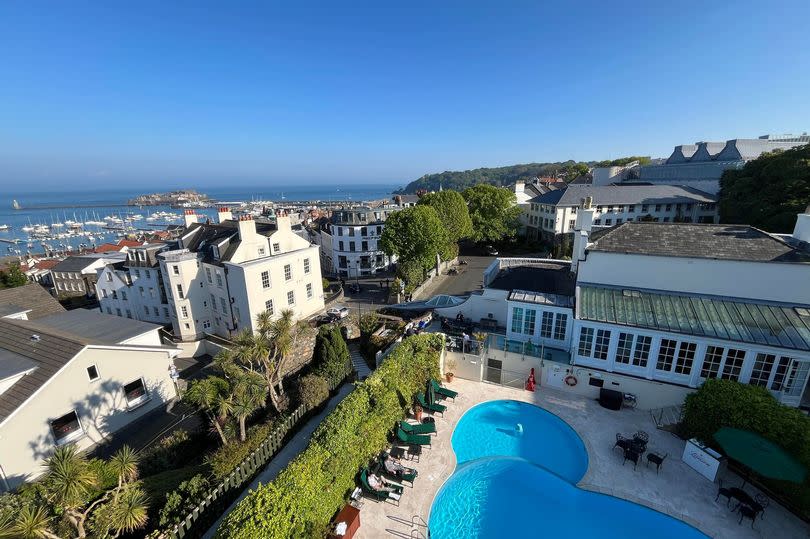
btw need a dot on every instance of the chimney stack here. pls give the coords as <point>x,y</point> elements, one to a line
<point>247,228</point>
<point>283,222</point>
<point>802,229</point>
<point>224,214</point>
<point>582,232</point>
<point>189,217</point>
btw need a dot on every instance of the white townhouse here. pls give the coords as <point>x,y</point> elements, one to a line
<point>552,216</point>
<point>72,377</point>
<point>76,275</point>
<point>133,287</point>
<point>355,235</point>
<point>222,276</point>
<point>655,310</point>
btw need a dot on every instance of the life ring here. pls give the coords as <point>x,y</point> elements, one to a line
<point>571,380</point>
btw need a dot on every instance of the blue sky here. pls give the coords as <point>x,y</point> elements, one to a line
<point>201,93</point>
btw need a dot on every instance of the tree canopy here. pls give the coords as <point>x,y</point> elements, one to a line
<point>453,213</point>
<point>12,276</point>
<point>622,161</point>
<point>416,235</point>
<point>768,192</point>
<point>493,212</point>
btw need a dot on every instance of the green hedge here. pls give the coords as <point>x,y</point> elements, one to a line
<point>724,403</point>
<point>301,501</point>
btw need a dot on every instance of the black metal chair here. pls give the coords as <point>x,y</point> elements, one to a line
<point>632,456</point>
<point>725,492</point>
<point>622,442</point>
<point>747,512</point>
<point>763,502</point>
<point>656,459</point>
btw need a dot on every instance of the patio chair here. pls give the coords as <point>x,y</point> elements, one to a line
<point>443,391</point>
<point>378,495</point>
<point>419,428</point>
<point>621,442</point>
<point>725,492</point>
<point>763,502</point>
<point>632,456</point>
<point>642,437</point>
<point>436,408</point>
<point>412,439</point>
<point>747,512</point>
<point>656,459</point>
<point>408,474</point>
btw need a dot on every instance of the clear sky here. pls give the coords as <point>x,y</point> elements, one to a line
<point>204,92</point>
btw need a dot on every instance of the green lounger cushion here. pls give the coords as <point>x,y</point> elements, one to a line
<point>431,407</point>
<point>443,390</point>
<point>420,428</point>
<point>412,439</point>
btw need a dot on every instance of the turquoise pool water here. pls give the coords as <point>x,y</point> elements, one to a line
<point>517,470</point>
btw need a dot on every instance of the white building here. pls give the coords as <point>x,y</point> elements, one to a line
<point>355,235</point>
<point>552,216</point>
<point>221,276</point>
<point>700,165</point>
<point>72,377</point>
<point>658,308</point>
<point>76,275</point>
<point>133,287</point>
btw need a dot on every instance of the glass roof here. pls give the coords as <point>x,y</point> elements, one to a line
<point>769,324</point>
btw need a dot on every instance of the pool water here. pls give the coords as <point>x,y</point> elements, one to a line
<point>517,469</point>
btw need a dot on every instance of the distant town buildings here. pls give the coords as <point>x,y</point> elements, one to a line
<point>551,217</point>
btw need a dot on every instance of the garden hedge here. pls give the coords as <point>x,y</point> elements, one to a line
<point>725,403</point>
<point>304,497</point>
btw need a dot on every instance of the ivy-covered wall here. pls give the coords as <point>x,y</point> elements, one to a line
<point>304,497</point>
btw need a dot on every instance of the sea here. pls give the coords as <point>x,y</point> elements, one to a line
<point>57,208</point>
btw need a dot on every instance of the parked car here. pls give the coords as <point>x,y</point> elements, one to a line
<point>490,250</point>
<point>338,313</point>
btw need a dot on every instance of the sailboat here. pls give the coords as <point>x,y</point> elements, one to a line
<point>15,205</point>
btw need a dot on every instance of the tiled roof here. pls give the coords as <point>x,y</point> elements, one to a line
<point>625,194</point>
<point>34,297</point>
<point>724,242</point>
<point>49,353</point>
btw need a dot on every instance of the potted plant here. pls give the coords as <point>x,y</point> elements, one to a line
<point>417,413</point>
<point>449,367</point>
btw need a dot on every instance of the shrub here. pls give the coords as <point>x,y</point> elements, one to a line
<point>368,323</point>
<point>172,451</point>
<point>180,502</point>
<point>226,458</point>
<point>325,284</point>
<point>332,358</point>
<point>312,390</point>
<point>306,494</point>
<point>725,403</point>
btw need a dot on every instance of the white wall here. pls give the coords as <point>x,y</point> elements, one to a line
<point>478,306</point>
<point>26,438</point>
<point>767,281</point>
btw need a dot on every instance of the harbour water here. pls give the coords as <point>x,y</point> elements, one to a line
<point>64,220</point>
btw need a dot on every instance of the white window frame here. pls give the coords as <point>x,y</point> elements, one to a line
<point>73,436</point>
<point>138,401</point>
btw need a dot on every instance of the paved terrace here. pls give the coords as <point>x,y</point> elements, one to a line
<point>678,490</point>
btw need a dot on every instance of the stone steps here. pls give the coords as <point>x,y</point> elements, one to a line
<point>667,417</point>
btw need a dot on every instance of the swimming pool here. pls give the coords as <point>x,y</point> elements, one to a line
<point>517,469</point>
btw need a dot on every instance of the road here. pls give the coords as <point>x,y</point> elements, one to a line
<point>469,278</point>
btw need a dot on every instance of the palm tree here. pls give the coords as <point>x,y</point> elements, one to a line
<point>130,510</point>
<point>210,395</point>
<point>247,396</point>
<point>31,522</point>
<point>125,465</point>
<point>274,340</point>
<point>68,481</point>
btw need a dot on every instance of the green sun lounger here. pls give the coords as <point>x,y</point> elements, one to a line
<point>377,495</point>
<point>412,439</point>
<point>409,474</point>
<point>438,408</point>
<point>443,391</point>
<point>419,428</point>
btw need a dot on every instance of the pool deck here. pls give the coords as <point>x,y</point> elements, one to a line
<point>678,490</point>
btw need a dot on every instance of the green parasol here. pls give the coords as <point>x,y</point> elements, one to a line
<point>760,455</point>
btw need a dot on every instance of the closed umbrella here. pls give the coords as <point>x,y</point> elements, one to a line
<point>760,455</point>
<point>430,393</point>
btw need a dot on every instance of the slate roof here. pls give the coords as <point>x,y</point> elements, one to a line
<point>31,296</point>
<point>199,237</point>
<point>75,263</point>
<point>548,278</point>
<point>93,327</point>
<point>731,150</point>
<point>50,353</point>
<point>625,194</point>
<point>723,242</point>
<point>7,309</point>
